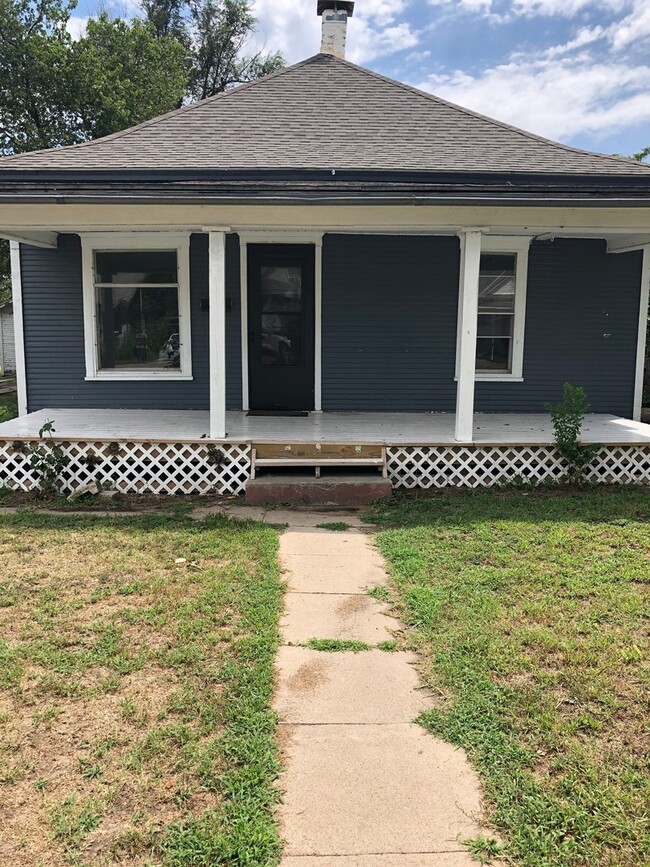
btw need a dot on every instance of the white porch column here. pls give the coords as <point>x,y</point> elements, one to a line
<point>19,333</point>
<point>217,324</point>
<point>470,261</point>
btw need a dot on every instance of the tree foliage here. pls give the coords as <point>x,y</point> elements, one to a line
<point>126,75</point>
<point>36,92</point>
<point>5,272</point>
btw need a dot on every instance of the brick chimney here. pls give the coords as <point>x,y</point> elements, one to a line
<point>335,24</point>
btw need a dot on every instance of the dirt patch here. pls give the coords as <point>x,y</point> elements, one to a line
<point>309,676</point>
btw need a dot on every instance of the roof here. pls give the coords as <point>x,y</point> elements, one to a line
<point>326,114</point>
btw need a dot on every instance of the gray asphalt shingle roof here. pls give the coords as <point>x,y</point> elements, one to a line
<point>326,113</point>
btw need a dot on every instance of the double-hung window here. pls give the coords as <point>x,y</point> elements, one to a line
<point>136,306</point>
<point>501,308</point>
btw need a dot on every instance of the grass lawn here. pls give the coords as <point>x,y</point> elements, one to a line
<point>531,613</point>
<point>8,407</point>
<point>134,691</point>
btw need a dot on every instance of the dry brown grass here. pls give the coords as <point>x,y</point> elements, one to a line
<point>111,701</point>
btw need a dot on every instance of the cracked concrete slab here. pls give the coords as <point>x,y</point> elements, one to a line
<point>371,686</point>
<point>333,573</point>
<point>325,543</point>
<point>305,518</point>
<point>369,789</point>
<point>350,617</point>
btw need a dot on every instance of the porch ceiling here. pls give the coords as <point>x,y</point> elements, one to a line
<point>332,427</point>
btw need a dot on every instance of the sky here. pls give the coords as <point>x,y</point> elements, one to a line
<point>576,71</point>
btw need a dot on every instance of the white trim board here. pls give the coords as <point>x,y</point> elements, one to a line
<point>103,241</point>
<point>642,334</point>
<point>19,332</point>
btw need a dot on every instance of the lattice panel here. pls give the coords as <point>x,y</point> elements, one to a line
<point>621,465</point>
<point>485,466</point>
<point>158,468</point>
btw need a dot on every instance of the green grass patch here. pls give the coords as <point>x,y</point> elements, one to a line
<point>531,614</point>
<point>157,677</point>
<point>336,526</point>
<point>337,645</point>
<point>380,593</point>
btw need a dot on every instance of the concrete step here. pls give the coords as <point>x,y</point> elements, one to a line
<point>308,491</point>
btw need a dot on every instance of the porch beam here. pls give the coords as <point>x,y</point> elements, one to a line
<point>470,262</point>
<point>217,325</point>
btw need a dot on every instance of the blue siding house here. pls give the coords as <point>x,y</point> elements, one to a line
<point>324,267</point>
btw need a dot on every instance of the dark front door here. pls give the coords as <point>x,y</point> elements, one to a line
<point>281,326</point>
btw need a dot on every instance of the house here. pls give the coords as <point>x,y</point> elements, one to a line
<point>324,267</point>
<point>7,344</point>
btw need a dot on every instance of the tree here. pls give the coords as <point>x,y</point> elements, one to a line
<point>215,33</point>
<point>124,75</point>
<point>35,85</point>
<point>642,155</point>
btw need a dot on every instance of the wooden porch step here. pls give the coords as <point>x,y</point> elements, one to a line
<point>318,455</point>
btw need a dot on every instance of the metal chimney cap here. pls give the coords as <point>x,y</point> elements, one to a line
<point>336,5</point>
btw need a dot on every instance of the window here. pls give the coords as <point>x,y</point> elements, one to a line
<point>501,308</point>
<point>136,302</point>
<point>496,312</point>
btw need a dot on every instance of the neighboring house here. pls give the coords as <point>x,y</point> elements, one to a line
<point>7,342</point>
<point>418,279</point>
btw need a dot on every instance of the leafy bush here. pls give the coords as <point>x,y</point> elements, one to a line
<point>567,417</point>
<point>47,459</point>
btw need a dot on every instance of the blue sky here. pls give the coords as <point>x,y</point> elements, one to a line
<point>577,71</point>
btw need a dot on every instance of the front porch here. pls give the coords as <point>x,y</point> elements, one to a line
<point>359,428</point>
<point>170,452</point>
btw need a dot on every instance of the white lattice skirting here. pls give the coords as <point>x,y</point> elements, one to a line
<point>486,466</point>
<point>204,468</point>
<point>155,468</point>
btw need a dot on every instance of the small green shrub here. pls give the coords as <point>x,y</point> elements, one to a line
<point>567,417</point>
<point>47,459</point>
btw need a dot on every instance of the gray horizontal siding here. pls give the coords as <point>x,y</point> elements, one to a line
<point>581,327</point>
<point>389,329</point>
<point>389,322</point>
<point>54,338</point>
<point>389,326</point>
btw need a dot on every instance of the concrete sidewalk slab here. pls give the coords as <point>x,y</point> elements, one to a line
<point>310,540</point>
<point>350,617</point>
<point>372,789</point>
<point>313,573</point>
<point>430,859</point>
<point>367,687</point>
<point>304,518</point>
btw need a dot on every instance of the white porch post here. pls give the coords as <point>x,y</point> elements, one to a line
<point>217,324</point>
<point>19,333</point>
<point>470,261</point>
<point>641,338</point>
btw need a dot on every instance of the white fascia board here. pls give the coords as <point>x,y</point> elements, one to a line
<point>48,240</point>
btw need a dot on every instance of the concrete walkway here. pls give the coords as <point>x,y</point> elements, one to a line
<point>363,785</point>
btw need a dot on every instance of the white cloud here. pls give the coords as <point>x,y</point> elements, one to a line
<point>554,98</point>
<point>76,26</point>
<point>294,29</point>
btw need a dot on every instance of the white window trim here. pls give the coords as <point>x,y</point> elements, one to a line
<point>519,245</point>
<point>117,241</point>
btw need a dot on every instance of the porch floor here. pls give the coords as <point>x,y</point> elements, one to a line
<point>331,427</point>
